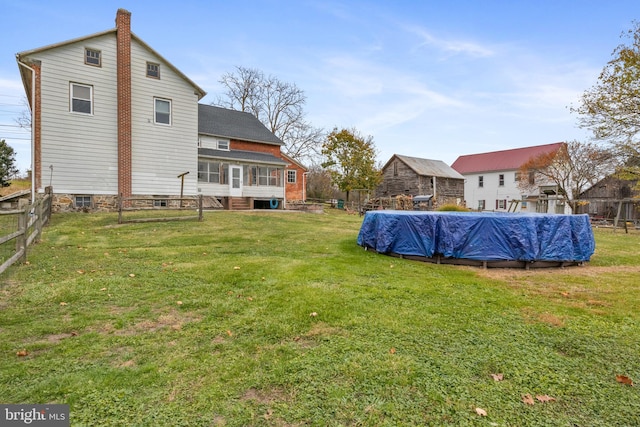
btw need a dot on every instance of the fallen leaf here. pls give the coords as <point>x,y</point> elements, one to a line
<point>236,268</point>
<point>74,334</point>
<point>391,266</point>
<point>63,303</point>
<point>229,333</point>
<point>497,377</point>
<point>392,350</point>
<point>103,289</point>
<point>179,302</point>
<point>481,412</point>
<point>22,353</point>
<point>528,399</point>
<point>622,379</point>
<point>132,275</point>
<point>80,271</point>
<point>249,299</point>
<point>314,314</point>
<point>544,398</point>
<point>564,294</point>
<point>204,253</point>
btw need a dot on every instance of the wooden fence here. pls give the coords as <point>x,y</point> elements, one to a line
<point>30,222</point>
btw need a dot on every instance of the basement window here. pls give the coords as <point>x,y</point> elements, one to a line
<point>82,201</point>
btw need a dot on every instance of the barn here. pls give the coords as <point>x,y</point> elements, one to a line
<point>405,175</point>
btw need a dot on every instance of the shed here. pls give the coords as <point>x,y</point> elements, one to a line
<point>405,175</point>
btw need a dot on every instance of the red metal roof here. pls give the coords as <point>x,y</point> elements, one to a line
<point>501,160</point>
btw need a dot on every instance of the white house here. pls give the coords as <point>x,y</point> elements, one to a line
<point>111,117</point>
<point>491,181</point>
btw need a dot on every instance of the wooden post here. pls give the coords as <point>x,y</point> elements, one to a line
<point>120,208</point>
<point>21,240</point>
<point>200,202</point>
<point>181,176</point>
<point>615,221</point>
<point>39,223</point>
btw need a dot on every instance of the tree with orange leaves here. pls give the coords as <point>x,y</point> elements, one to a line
<point>573,168</point>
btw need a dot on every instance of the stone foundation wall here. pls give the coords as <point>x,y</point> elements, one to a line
<point>109,203</point>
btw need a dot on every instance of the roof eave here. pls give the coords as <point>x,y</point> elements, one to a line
<point>240,139</point>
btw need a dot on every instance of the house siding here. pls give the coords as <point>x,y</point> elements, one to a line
<point>87,142</point>
<point>492,191</point>
<point>159,152</point>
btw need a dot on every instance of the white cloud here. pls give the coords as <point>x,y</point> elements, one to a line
<point>450,46</point>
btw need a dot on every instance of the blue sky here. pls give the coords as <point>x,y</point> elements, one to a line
<point>431,79</point>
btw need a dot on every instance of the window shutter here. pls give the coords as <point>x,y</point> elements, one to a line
<point>496,203</point>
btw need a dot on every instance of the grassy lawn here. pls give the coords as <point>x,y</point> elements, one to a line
<point>280,319</point>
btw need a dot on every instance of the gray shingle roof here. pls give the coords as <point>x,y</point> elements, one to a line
<point>428,167</point>
<point>232,124</point>
<point>252,156</point>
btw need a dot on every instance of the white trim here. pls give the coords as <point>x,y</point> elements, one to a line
<point>155,113</point>
<point>71,98</point>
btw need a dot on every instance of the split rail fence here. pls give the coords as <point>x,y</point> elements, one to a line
<point>28,224</point>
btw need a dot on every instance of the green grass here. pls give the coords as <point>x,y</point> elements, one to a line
<point>210,324</point>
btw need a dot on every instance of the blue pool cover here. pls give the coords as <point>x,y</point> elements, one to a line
<point>481,236</point>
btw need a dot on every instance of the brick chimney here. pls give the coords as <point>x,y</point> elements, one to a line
<point>123,60</point>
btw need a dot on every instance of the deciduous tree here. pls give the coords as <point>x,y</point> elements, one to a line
<point>573,168</point>
<point>611,108</point>
<point>278,105</point>
<point>7,163</point>
<point>351,160</point>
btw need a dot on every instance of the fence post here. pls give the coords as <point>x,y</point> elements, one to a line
<point>200,207</point>
<point>120,209</point>
<point>21,240</point>
<point>38,223</point>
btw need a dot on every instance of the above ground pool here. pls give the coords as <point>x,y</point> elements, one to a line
<point>480,238</point>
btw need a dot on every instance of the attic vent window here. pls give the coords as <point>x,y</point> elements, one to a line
<point>153,70</point>
<point>93,57</point>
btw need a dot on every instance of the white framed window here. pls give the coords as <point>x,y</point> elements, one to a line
<point>82,201</point>
<point>160,203</point>
<point>480,205</point>
<point>210,172</point>
<point>162,111</point>
<point>291,177</point>
<point>223,144</point>
<point>501,204</point>
<point>92,57</point>
<point>481,181</point>
<point>153,70</point>
<point>80,98</point>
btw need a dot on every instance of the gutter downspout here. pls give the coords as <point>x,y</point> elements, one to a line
<point>33,143</point>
